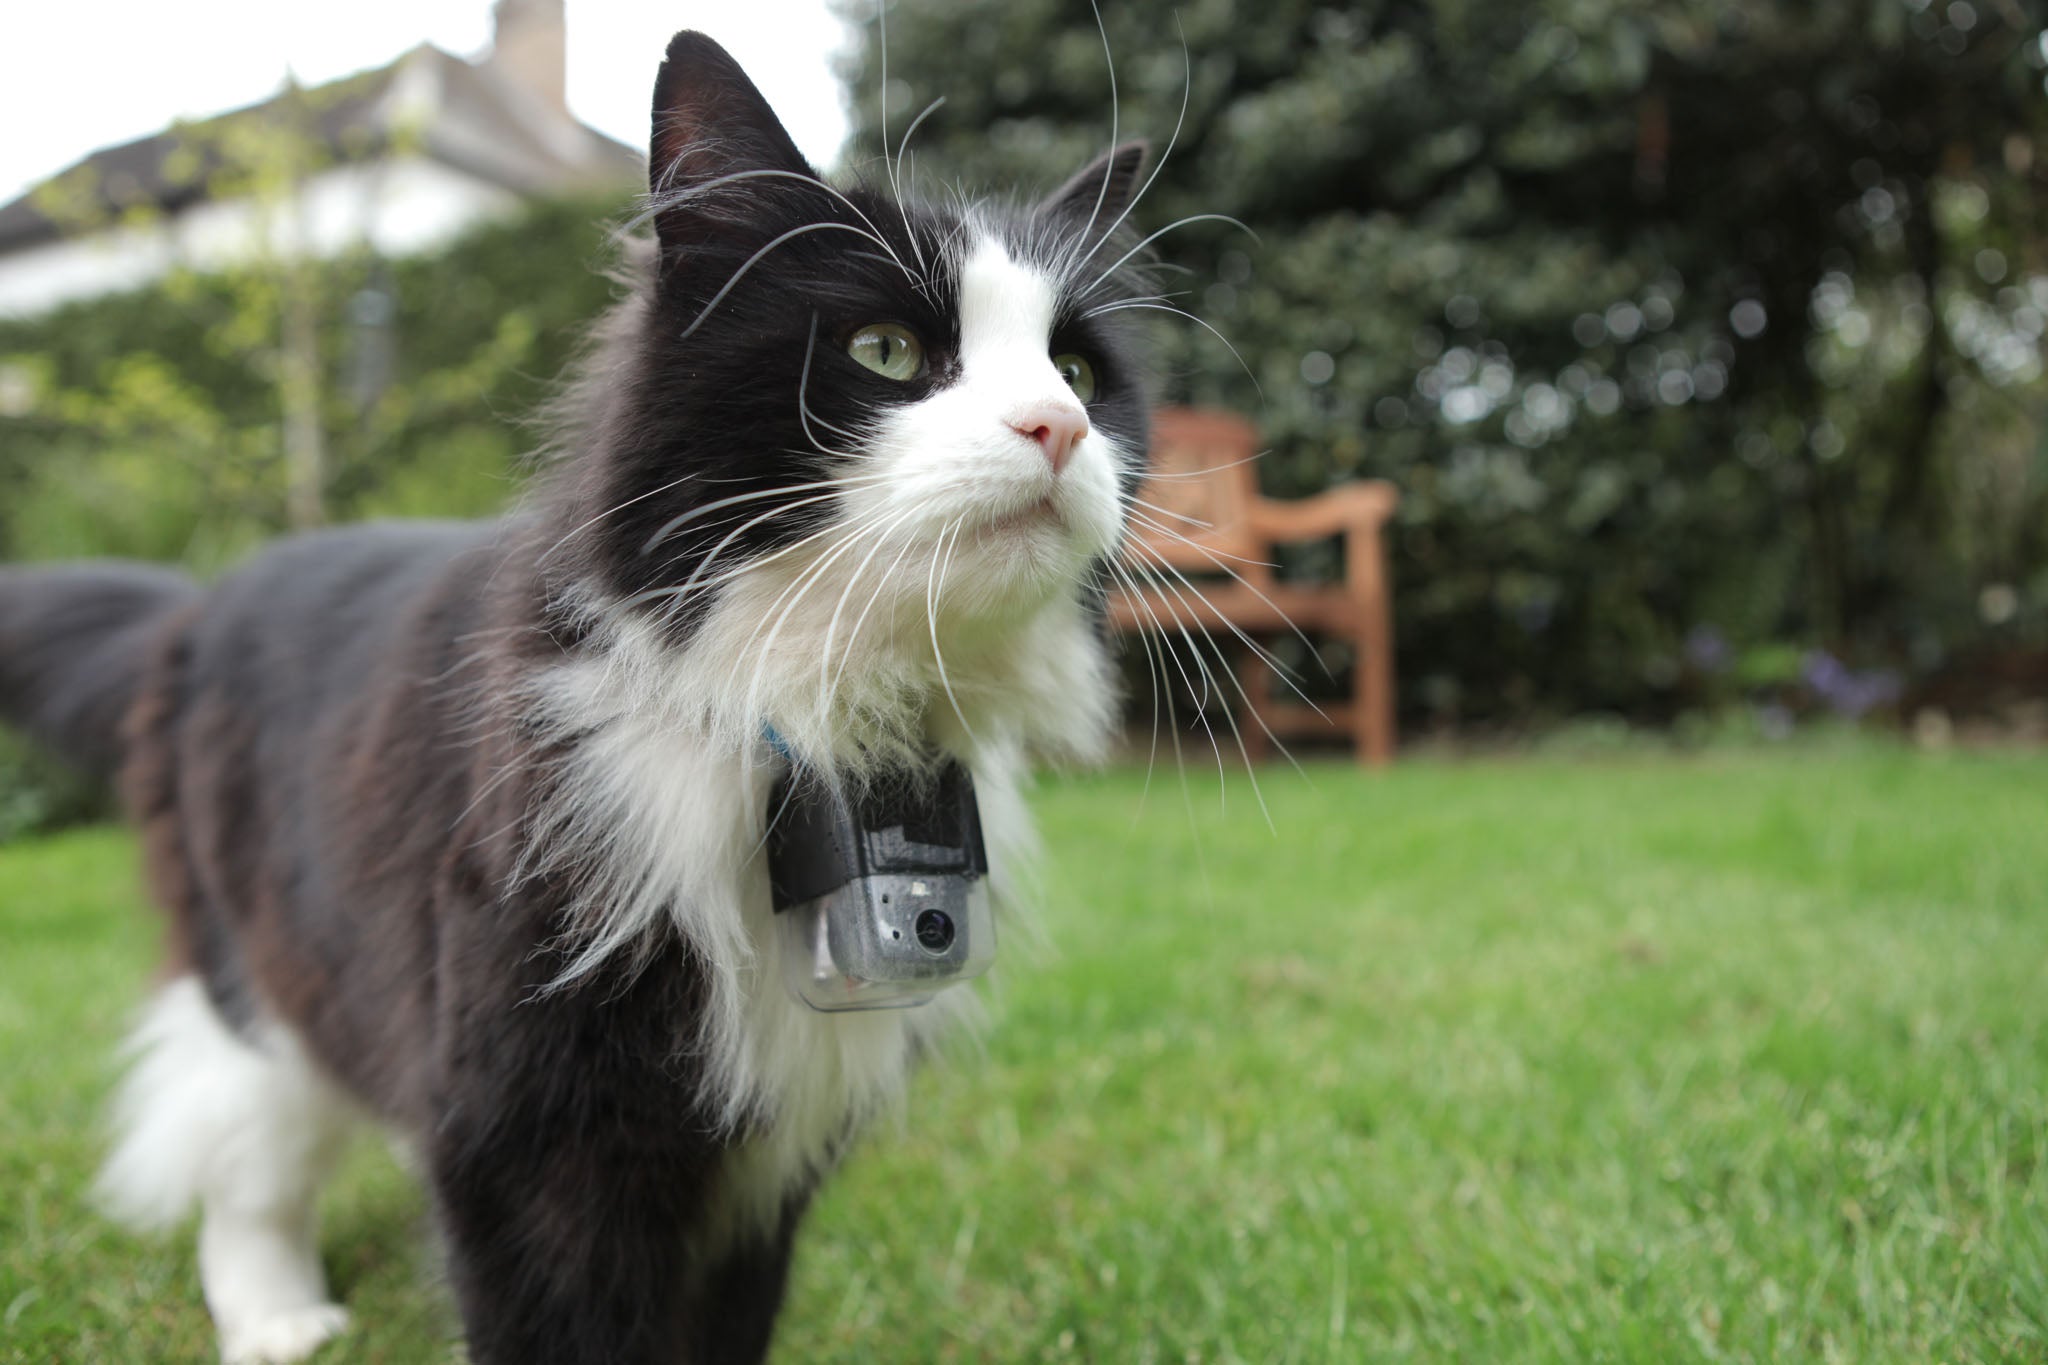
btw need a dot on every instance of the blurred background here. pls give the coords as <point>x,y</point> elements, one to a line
<point>1701,337</point>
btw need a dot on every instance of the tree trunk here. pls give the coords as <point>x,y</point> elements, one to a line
<point>305,443</point>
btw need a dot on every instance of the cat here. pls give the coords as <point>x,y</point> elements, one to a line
<point>458,827</point>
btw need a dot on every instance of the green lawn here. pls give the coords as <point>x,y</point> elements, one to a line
<point>1740,1057</point>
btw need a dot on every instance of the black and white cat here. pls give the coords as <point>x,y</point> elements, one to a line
<point>459,827</point>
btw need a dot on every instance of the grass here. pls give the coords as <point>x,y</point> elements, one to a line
<point>1740,1057</point>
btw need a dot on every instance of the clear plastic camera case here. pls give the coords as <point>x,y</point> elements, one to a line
<point>887,941</point>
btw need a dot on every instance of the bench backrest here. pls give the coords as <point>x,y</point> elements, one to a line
<point>1198,494</point>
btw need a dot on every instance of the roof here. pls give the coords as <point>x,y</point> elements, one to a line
<point>470,116</point>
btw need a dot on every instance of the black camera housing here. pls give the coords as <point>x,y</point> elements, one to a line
<point>880,891</point>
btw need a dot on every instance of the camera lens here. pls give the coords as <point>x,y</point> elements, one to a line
<point>935,931</point>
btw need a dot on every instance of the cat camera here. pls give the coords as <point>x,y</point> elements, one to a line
<point>881,894</point>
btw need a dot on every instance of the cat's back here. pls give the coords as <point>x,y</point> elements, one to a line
<point>324,675</point>
<point>320,615</point>
<point>296,760</point>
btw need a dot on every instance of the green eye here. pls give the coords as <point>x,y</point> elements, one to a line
<point>1078,373</point>
<point>889,350</point>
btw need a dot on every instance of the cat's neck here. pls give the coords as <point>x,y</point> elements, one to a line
<point>848,684</point>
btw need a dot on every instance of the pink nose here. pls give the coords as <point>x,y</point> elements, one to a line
<point>1056,427</point>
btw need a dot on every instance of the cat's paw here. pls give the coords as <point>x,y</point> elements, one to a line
<point>283,1337</point>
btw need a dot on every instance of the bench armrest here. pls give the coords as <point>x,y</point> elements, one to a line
<point>1349,507</point>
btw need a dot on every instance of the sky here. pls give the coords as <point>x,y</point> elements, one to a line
<point>80,75</point>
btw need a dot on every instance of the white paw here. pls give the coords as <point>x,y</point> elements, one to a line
<point>282,1337</point>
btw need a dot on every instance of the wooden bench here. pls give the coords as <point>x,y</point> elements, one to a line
<point>1202,513</point>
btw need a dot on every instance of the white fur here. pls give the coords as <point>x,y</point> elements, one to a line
<point>955,458</point>
<point>246,1130</point>
<point>677,817</point>
<point>931,615</point>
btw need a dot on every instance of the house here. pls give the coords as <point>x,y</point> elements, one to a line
<point>395,160</point>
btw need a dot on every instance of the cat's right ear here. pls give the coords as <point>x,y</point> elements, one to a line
<point>1101,191</point>
<point>710,121</point>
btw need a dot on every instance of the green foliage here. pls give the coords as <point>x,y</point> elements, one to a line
<point>1663,316</point>
<point>1619,1059</point>
<point>37,793</point>
<point>149,424</point>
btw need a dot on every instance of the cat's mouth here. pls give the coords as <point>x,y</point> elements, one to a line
<point>1045,512</point>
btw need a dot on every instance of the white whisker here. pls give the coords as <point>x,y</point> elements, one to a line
<point>803,408</point>
<point>696,580</point>
<point>1178,223</point>
<point>571,535</point>
<point>1182,312</point>
<point>1152,523</point>
<point>1246,583</point>
<point>923,269</point>
<point>1187,81</point>
<point>1123,582</point>
<point>832,627</point>
<point>707,188</point>
<point>754,259</point>
<point>1100,309</point>
<point>1265,656</point>
<point>1192,475</point>
<point>795,593</point>
<point>853,635</point>
<point>1244,696</point>
<point>674,524</point>
<point>933,586</point>
<point>1109,161</point>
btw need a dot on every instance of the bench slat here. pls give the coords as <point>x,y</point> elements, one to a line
<point>1200,511</point>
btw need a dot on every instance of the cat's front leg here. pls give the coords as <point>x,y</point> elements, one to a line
<point>737,1293</point>
<point>567,1246</point>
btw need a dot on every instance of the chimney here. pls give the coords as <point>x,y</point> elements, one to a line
<point>530,47</point>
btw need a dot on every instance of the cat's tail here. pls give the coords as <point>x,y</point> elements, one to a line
<point>73,642</point>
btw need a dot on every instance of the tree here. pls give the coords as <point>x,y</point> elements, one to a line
<point>1702,320</point>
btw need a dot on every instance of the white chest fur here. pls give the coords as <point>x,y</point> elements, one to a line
<point>663,810</point>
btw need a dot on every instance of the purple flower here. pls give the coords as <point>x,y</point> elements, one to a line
<point>1849,692</point>
<point>1863,692</point>
<point>1707,649</point>
<point>1823,672</point>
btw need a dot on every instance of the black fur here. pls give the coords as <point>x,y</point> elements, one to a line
<point>72,643</point>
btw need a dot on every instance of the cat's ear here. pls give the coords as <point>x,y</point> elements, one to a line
<point>1100,191</point>
<point>709,121</point>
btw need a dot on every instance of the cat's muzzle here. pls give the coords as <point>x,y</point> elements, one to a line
<point>881,896</point>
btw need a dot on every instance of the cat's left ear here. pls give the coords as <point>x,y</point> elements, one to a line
<point>1101,190</point>
<point>709,121</point>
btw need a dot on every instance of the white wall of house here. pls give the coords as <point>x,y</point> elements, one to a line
<point>395,207</point>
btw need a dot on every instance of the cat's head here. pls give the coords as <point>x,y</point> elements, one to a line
<point>868,403</point>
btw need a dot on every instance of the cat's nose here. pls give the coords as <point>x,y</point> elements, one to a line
<point>1057,427</point>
